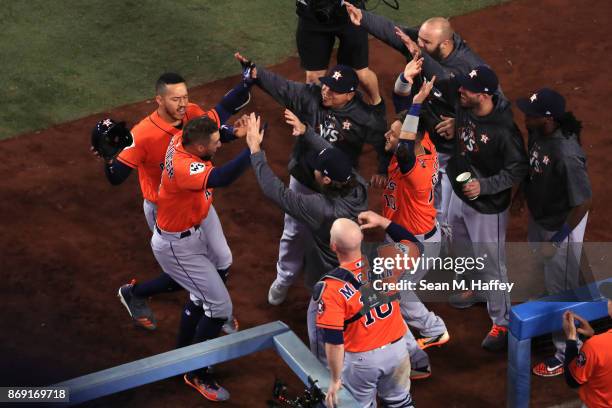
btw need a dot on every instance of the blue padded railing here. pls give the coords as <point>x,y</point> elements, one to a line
<point>532,319</point>
<point>275,335</point>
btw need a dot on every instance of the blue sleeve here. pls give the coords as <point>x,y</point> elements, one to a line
<point>405,155</point>
<point>225,175</point>
<point>332,336</point>
<point>400,102</point>
<point>399,233</point>
<point>571,352</point>
<point>227,133</point>
<point>117,172</point>
<point>237,98</point>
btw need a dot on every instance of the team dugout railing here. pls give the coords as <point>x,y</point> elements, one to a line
<point>276,335</point>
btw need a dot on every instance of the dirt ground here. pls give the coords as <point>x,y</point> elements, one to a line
<point>69,239</point>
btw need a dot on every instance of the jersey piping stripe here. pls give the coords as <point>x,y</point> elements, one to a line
<point>216,115</point>
<point>330,326</point>
<point>159,127</point>
<point>127,163</point>
<point>192,281</point>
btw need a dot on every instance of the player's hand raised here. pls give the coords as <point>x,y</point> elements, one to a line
<point>354,13</point>
<point>568,325</point>
<point>412,47</point>
<point>292,120</point>
<point>254,135</point>
<point>249,70</point>
<point>446,128</point>
<point>369,219</point>
<point>585,327</point>
<point>240,126</point>
<point>424,91</point>
<point>412,69</point>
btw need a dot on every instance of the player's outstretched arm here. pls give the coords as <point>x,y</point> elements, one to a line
<point>290,94</point>
<point>318,143</point>
<point>384,29</point>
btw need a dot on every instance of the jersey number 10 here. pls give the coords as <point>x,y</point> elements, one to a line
<point>381,312</point>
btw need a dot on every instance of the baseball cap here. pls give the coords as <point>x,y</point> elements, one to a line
<point>543,103</point>
<point>606,290</point>
<point>333,163</point>
<point>341,79</point>
<point>481,79</point>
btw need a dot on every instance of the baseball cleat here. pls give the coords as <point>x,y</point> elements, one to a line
<point>137,307</point>
<point>438,340</point>
<point>465,299</point>
<point>277,293</point>
<point>496,339</point>
<point>551,367</point>
<point>210,389</point>
<point>231,326</point>
<point>420,373</point>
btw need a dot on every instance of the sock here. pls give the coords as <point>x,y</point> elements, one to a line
<point>162,284</point>
<point>190,317</point>
<point>208,328</point>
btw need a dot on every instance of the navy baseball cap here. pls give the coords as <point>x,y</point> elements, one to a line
<point>606,290</point>
<point>543,103</point>
<point>341,79</point>
<point>333,163</point>
<point>481,79</point>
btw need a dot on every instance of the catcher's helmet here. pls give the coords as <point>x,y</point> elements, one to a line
<point>109,137</point>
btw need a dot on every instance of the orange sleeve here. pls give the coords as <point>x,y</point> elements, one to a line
<point>192,174</point>
<point>331,309</point>
<point>135,154</point>
<point>195,112</point>
<point>581,367</point>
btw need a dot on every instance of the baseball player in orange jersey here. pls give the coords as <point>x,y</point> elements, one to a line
<point>590,370</point>
<point>408,200</point>
<point>150,141</point>
<point>183,238</point>
<point>365,351</point>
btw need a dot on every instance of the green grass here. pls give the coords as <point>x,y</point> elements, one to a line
<point>62,60</point>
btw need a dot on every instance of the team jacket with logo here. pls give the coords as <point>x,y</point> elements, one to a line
<point>340,300</point>
<point>558,178</point>
<point>408,198</point>
<point>151,138</point>
<point>183,200</point>
<point>491,149</point>
<point>592,369</point>
<point>461,61</point>
<point>347,128</point>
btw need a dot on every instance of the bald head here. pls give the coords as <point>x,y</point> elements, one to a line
<point>436,37</point>
<point>345,236</point>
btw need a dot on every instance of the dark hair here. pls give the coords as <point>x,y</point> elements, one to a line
<point>338,189</point>
<point>168,78</point>
<point>570,125</point>
<point>199,130</point>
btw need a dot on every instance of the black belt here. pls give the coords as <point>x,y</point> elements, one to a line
<point>430,233</point>
<point>182,235</point>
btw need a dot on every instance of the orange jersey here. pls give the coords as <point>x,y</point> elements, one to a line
<point>593,370</point>
<point>183,199</point>
<point>408,199</point>
<point>340,301</point>
<point>151,138</point>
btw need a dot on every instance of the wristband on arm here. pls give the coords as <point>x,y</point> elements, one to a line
<point>402,86</point>
<point>411,123</point>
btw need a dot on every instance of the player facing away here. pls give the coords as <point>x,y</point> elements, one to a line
<point>151,137</point>
<point>336,112</point>
<point>408,200</point>
<point>365,352</point>
<point>185,234</point>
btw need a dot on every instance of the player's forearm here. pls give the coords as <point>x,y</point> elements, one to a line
<point>335,359</point>
<point>384,29</point>
<point>571,352</point>
<point>225,175</point>
<point>284,91</point>
<point>577,213</point>
<point>117,172</point>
